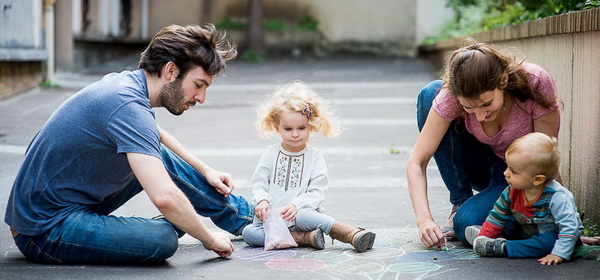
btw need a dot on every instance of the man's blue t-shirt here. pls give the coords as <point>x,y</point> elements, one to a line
<point>78,157</point>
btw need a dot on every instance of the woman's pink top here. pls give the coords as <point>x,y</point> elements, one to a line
<point>520,121</point>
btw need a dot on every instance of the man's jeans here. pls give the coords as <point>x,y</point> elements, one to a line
<point>465,164</point>
<point>93,236</point>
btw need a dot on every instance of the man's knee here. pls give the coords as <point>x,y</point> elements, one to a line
<point>165,244</point>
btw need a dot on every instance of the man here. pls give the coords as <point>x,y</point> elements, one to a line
<point>103,146</point>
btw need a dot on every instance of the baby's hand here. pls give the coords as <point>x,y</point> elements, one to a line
<point>289,212</point>
<point>550,260</point>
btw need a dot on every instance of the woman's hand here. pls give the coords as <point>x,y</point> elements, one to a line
<point>431,234</point>
<point>289,212</point>
<point>260,211</point>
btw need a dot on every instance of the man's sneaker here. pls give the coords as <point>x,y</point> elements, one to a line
<point>471,233</point>
<point>488,247</point>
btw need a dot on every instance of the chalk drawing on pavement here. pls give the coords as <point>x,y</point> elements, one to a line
<point>258,253</point>
<point>432,256</point>
<point>329,257</point>
<point>413,268</point>
<point>465,254</point>
<point>296,264</point>
<point>418,247</point>
<point>377,253</point>
<point>378,263</point>
<point>358,267</point>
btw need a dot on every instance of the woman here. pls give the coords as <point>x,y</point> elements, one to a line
<point>467,121</point>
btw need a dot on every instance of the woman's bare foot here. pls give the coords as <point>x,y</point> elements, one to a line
<point>590,240</point>
<point>448,228</point>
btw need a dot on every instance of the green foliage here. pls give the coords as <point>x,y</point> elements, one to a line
<point>587,252</point>
<point>274,24</point>
<point>308,23</point>
<point>48,84</point>
<point>228,23</point>
<point>473,16</point>
<point>591,4</point>
<point>252,56</point>
<point>590,228</point>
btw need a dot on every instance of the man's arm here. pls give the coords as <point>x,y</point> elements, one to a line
<point>222,181</point>
<point>173,203</point>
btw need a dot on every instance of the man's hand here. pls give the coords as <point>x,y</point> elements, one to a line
<point>220,244</point>
<point>550,260</point>
<point>222,181</point>
<point>261,210</point>
<point>289,212</point>
<point>431,235</point>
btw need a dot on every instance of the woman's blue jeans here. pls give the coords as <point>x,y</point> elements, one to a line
<point>93,236</point>
<point>465,164</point>
<point>306,220</point>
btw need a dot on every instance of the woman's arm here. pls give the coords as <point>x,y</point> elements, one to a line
<point>431,135</point>
<point>548,124</point>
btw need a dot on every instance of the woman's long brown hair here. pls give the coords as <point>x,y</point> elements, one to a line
<point>478,68</point>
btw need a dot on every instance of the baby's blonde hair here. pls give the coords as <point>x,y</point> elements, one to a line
<point>297,96</point>
<point>542,152</point>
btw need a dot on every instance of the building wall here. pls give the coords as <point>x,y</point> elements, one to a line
<point>431,17</point>
<point>18,76</point>
<point>16,30</point>
<point>380,27</point>
<point>21,47</point>
<point>385,27</point>
<point>163,13</point>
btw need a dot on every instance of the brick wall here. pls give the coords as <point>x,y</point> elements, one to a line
<point>19,76</point>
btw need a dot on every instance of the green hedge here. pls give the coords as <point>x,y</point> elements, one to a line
<point>473,16</point>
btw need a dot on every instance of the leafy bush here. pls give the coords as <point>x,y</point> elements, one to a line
<point>274,24</point>
<point>229,23</point>
<point>473,16</point>
<point>306,23</point>
<point>252,56</point>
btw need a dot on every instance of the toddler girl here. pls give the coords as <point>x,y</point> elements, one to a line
<point>292,175</point>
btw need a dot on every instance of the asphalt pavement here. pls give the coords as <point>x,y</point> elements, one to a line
<point>374,99</point>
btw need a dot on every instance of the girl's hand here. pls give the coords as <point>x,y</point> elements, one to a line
<point>550,260</point>
<point>260,211</point>
<point>431,235</point>
<point>289,212</point>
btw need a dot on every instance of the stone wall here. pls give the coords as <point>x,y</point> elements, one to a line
<point>18,76</point>
<point>567,46</point>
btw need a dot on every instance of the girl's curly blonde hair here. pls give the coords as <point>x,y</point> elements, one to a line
<point>297,96</point>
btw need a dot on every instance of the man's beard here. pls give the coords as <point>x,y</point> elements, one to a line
<point>171,97</point>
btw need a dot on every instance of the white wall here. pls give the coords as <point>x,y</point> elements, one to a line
<point>432,15</point>
<point>20,24</point>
